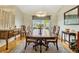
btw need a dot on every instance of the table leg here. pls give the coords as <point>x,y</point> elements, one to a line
<point>40,48</point>
<point>7,44</point>
<point>41,43</point>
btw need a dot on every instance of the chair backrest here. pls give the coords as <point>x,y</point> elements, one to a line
<point>28,30</point>
<point>23,29</point>
<point>56,30</point>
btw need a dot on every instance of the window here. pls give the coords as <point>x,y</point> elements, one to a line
<point>44,22</point>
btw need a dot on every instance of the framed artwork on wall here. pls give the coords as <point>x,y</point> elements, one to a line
<point>71,17</point>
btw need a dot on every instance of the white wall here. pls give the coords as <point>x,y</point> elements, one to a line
<point>19,18</point>
<point>54,20</point>
<point>60,17</point>
<point>28,19</point>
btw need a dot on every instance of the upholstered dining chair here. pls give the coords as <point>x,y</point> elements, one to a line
<point>28,32</point>
<point>56,30</point>
<point>22,31</point>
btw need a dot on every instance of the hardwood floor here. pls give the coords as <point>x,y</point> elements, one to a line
<point>11,46</point>
<point>66,46</point>
<point>29,49</point>
<point>16,43</point>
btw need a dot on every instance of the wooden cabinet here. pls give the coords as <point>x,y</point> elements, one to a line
<point>69,37</point>
<point>3,34</point>
<point>78,40</point>
<point>6,34</point>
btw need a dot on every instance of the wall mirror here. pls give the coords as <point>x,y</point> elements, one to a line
<point>71,17</point>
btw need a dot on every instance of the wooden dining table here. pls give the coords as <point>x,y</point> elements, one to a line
<point>41,39</point>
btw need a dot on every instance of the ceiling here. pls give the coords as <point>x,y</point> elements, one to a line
<point>32,9</point>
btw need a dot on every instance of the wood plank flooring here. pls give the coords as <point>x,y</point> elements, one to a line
<point>11,46</point>
<point>18,44</point>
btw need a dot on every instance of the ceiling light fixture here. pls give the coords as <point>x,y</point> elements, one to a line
<point>41,14</point>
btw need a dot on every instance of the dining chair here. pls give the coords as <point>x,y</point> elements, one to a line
<point>28,32</point>
<point>56,30</point>
<point>22,31</point>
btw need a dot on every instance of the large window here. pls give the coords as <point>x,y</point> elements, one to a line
<point>43,22</point>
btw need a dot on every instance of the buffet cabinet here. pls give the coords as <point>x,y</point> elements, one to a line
<point>69,40</point>
<point>6,34</point>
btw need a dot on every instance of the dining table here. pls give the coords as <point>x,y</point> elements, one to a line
<point>41,40</point>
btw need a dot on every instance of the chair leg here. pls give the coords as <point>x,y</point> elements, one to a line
<point>45,41</point>
<point>34,47</point>
<point>36,44</point>
<point>47,46</point>
<point>54,44</point>
<point>26,44</point>
<point>40,48</point>
<point>57,46</point>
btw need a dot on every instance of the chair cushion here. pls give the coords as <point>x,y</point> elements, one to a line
<point>51,40</point>
<point>31,40</point>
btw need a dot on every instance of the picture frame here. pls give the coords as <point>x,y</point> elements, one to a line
<point>71,17</point>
